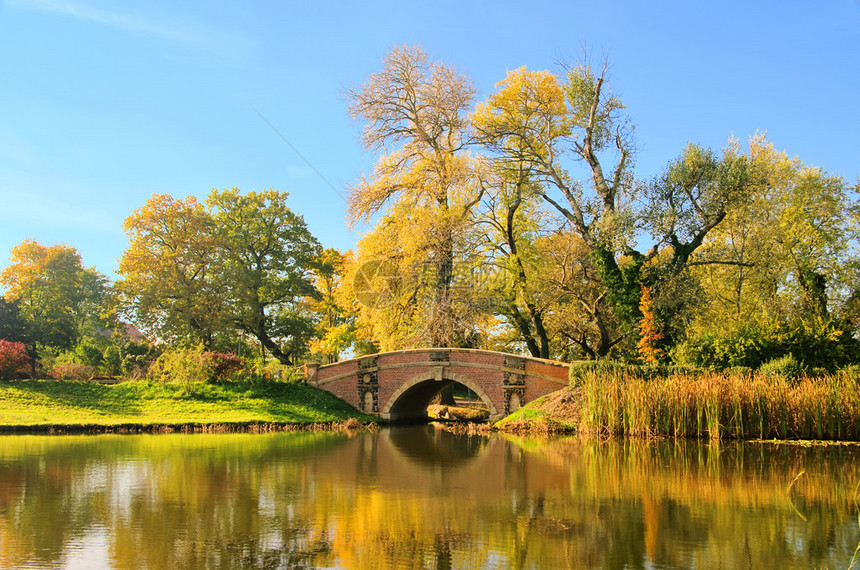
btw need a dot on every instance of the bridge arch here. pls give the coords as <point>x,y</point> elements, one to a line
<point>411,399</point>
<point>393,385</point>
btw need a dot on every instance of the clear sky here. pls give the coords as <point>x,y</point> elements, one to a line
<point>104,103</point>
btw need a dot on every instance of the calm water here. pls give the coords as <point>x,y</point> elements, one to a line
<point>420,497</point>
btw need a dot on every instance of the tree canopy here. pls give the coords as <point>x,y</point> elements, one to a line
<point>207,273</point>
<point>517,222</point>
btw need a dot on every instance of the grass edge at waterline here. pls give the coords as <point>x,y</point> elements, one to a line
<point>49,405</point>
<point>721,405</point>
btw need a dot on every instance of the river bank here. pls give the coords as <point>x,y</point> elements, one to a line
<point>738,405</point>
<point>703,406</point>
<point>44,406</point>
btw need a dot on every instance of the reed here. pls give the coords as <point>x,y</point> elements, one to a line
<point>714,405</point>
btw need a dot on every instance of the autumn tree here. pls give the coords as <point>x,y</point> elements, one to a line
<point>170,286</point>
<point>54,294</point>
<point>581,317</point>
<point>337,329</point>
<point>539,124</point>
<point>423,190</point>
<point>514,227</point>
<point>550,125</point>
<point>650,337</point>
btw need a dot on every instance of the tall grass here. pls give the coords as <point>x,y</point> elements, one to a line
<point>722,405</point>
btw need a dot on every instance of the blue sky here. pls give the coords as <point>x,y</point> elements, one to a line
<point>104,103</point>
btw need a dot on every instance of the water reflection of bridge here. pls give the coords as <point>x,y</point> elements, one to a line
<point>400,385</point>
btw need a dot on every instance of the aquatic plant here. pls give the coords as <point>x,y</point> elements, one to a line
<point>722,405</point>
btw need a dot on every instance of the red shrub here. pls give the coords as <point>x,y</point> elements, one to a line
<point>13,358</point>
<point>224,364</point>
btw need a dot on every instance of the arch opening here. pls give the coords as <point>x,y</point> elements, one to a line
<point>411,402</point>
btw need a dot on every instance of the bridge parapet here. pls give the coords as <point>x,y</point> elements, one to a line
<point>401,384</point>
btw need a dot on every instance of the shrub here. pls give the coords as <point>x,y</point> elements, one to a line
<point>72,371</point>
<point>89,354</point>
<point>224,364</point>
<point>112,361</point>
<point>194,364</point>
<point>271,369</point>
<point>814,343</point>
<point>786,366</point>
<point>136,358</point>
<point>579,369</point>
<point>13,358</point>
<point>185,365</point>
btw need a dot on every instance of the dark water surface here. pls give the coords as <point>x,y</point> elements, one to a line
<point>422,498</point>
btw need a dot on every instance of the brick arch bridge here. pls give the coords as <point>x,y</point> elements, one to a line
<point>400,385</point>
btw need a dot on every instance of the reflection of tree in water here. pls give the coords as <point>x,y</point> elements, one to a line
<point>160,499</point>
<point>429,446</point>
<point>415,497</point>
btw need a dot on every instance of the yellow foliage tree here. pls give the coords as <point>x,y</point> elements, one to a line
<point>425,187</point>
<point>53,292</point>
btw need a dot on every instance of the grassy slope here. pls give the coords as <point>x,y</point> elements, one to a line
<point>34,403</point>
<point>555,412</point>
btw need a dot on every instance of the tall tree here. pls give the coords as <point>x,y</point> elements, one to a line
<point>415,113</point>
<point>547,125</point>
<point>266,260</point>
<point>536,123</point>
<point>789,250</point>
<point>169,285</point>
<point>54,293</point>
<point>202,273</point>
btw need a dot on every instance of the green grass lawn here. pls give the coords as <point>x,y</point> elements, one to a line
<point>48,403</point>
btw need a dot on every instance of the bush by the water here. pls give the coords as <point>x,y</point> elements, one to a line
<point>815,343</point>
<point>723,405</point>
<point>786,367</point>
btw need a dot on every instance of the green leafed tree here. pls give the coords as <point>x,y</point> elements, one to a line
<point>13,327</point>
<point>780,273</point>
<point>170,285</point>
<point>240,264</point>
<point>266,259</point>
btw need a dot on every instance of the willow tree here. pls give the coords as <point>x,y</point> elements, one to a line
<point>422,192</point>
<point>789,267</point>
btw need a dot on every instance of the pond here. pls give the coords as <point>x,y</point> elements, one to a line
<point>421,497</point>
